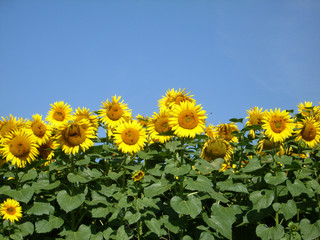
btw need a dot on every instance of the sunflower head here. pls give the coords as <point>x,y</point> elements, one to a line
<point>143,120</point>
<point>9,124</point>
<point>11,210</point>
<point>159,123</point>
<point>210,131</point>
<point>225,131</point>
<point>39,129</point>
<point>138,176</point>
<point>166,100</point>
<point>308,131</point>
<point>306,109</point>
<point>216,148</point>
<point>255,116</point>
<point>85,113</point>
<point>59,113</point>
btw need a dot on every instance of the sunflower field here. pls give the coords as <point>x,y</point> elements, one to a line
<point>171,175</point>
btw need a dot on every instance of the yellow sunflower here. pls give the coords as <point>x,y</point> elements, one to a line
<point>180,96</point>
<point>266,144</point>
<point>254,117</point>
<point>40,130</point>
<point>9,124</point>
<point>278,125</point>
<point>115,112</point>
<point>59,114</point>
<point>309,131</point>
<point>209,131</point>
<point>187,119</point>
<point>138,176</point>
<point>159,123</point>
<point>130,137</point>
<point>46,150</point>
<point>307,109</point>
<point>143,120</point>
<point>85,113</point>
<point>11,210</point>
<point>224,130</point>
<point>75,135</point>
<point>19,147</point>
<point>165,101</point>
<point>216,148</point>
<point>225,166</point>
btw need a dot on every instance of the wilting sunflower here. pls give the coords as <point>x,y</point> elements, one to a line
<point>59,114</point>
<point>165,101</point>
<point>159,123</point>
<point>143,120</point>
<point>138,176</point>
<point>309,131</point>
<point>254,117</point>
<point>19,147</point>
<point>115,112</point>
<point>9,124</point>
<point>46,150</point>
<point>11,210</point>
<point>85,113</point>
<point>216,148</point>
<point>187,119</point>
<point>130,137</point>
<point>40,130</point>
<point>224,130</point>
<point>307,109</point>
<point>75,135</point>
<point>278,125</point>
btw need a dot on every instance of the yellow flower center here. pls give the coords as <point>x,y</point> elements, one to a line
<point>162,125</point>
<point>39,129</point>
<point>215,149</point>
<point>59,115</point>
<point>277,125</point>
<point>75,135</point>
<point>130,136</point>
<point>115,112</point>
<point>20,146</point>
<point>11,210</point>
<point>309,132</point>
<point>188,119</point>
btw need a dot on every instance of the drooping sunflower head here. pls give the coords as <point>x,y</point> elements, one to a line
<point>75,135</point>
<point>11,210</point>
<point>309,131</point>
<point>159,123</point>
<point>46,150</point>
<point>114,112</point>
<point>39,129</point>
<point>187,119</point>
<point>225,131</point>
<point>216,148</point>
<point>85,113</point>
<point>59,113</point>
<point>130,137</point>
<point>9,124</point>
<point>278,125</point>
<point>265,144</point>
<point>138,176</point>
<point>143,120</point>
<point>19,147</point>
<point>255,116</point>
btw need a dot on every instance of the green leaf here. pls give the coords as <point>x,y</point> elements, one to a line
<point>121,234</point>
<point>98,236</point>
<point>172,146</point>
<point>279,178</point>
<point>266,233</point>
<point>23,195</point>
<point>84,161</point>
<point>308,230</point>
<point>206,236</point>
<point>202,184</point>
<point>261,199</point>
<point>108,191</point>
<point>30,175</point>
<point>157,189</point>
<point>154,225</point>
<point>240,120</point>
<point>44,226</point>
<point>69,203</point>
<point>45,185</point>
<point>229,185</point>
<point>297,188</point>
<point>289,209</point>
<point>83,233</point>
<point>100,212</point>
<point>132,218</point>
<point>177,171</point>
<point>106,233</point>
<point>206,167</point>
<point>192,206</point>
<point>26,228</point>
<point>40,208</point>
<point>253,165</point>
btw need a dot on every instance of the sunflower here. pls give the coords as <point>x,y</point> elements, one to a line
<point>39,129</point>
<point>209,131</point>
<point>143,120</point>
<point>224,130</point>
<point>130,137</point>
<point>216,148</point>
<point>19,147</point>
<point>9,124</point>
<point>266,144</point>
<point>138,176</point>
<point>278,125</point>
<point>225,166</point>
<point>187,119</point>
<point>165,101</point>
<point>85,113</point>
<point>115,112</point>
<point>307,109</point>
<point>11,210</point>
<point>46,150</point>
<point>254,117</point>
<point>180,96</point>
<point>309,131</point>
<point>159,123</point>
<point>59,113</point>
<point>75,135</point>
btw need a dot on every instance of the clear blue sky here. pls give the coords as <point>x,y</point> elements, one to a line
<point>231,55</point>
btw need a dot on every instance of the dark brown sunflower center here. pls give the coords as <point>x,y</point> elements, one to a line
<point>59,115</point>
<point>39,129</point>
<point>277,125</point>
<point>11,210</point>
<point>162,125</point>
<point>188,119</point>
<point>130,136</point>
<point>75,135</point>
<point>115,112</point>
<point>309,132</point>
<point>20,146</point>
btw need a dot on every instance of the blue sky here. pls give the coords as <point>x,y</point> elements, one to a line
<point>231,55</point>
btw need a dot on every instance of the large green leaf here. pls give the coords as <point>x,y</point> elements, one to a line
<point>202,184</point>
<point>261,199</point>
<point>177,171</point>
<point>44,226</point>
<point>229,185</point>
<point>279,178</point>
<point>191,206</point>
<point>26,228</point>
<point>253,165</point>
<point>270,233</point>
<point>132,218</point>
<point>23,195</point>
<point>154,225</point>
<point>45,185</point>
<point>206,167</point>
<point>100,212</point>
<point>157,189</point>
<point>83,233</point>
<point>289,209</point>
<point>121,234</point>
<point>30,175</point>
<point>40,208</point>
<point>69,203</point>
<point>308,230</point>
<point>298,188</point>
